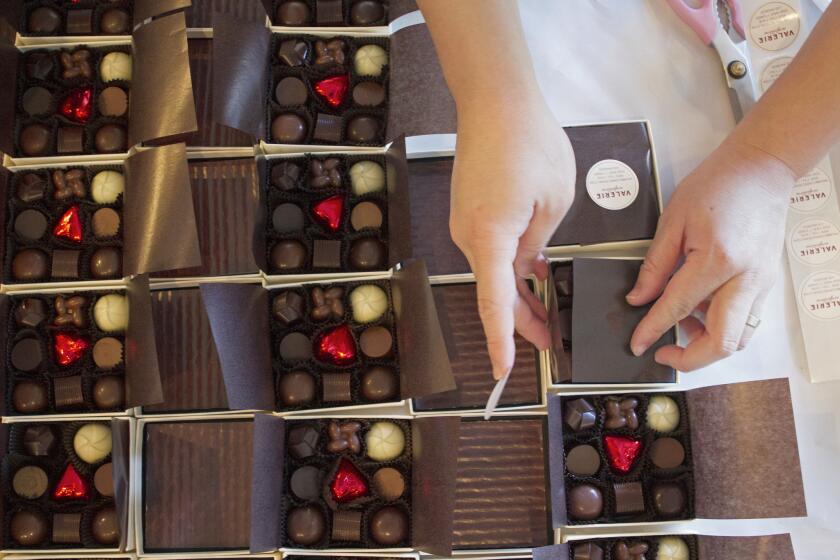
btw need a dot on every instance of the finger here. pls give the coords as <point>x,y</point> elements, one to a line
<point>724,326</point>
<point>691,328</point>
<point>687,289</point>
<point>529,324</point>
<point>755,311</point>
<point>660,262</point>
<point>529,258</point>
<point>537,306</point>
<point>497,295</point>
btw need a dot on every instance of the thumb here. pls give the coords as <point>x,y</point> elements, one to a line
<point>660,262</point>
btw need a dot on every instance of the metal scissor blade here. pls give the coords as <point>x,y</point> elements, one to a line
<point>741,97</point>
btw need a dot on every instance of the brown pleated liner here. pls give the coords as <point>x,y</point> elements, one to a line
<point>60,87</point>
<point>53,209</point>
<point>50,370</point>
<point>643,469</point>
<point>98,7</point>
<point>310,73</point>
<point>608,544</point>
<point>326,462</point>
<point>312,328</point>
<point>54,465</point>
<point>346,6</point>
<point>305,197</point>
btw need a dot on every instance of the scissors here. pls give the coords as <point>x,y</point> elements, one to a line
<point>719,23</point>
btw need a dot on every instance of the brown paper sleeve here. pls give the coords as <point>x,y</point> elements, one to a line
<point>159,221</point>
<point>556,462</point>
<point>415,68</point>
<point>399,204</point>
<point>746,460</point>
<point>240,72</point>
<point>142,371</point>
<point>553,552</point>
<point>238,315</point>
<point>120,461</point>
<point>424,362</point>
<point>9,59</point>
<point>4,320</point>
<point>434,468</point>
<point>162,108</point>
<point>604,322</point>
<point>769,547</point>
<point>267,483</point>
<point>397,8</point>
<point>145,9</point>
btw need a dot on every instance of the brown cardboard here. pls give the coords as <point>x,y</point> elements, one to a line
<point>120,463</point>
<point>201,12</point>
<point>770,547</point>
<point>157,210</point>
<point>552,552</point>
<point>197,485</point>
<point>399,203</point>
<point>9,57</point>
<point>162,107</point>
<point>144,9</point>
<point>142,374</point>
<point>743,436</point>
<point>397,8</point>
<point>267,484</point>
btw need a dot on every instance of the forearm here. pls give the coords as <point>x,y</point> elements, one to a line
<point>798,120</point>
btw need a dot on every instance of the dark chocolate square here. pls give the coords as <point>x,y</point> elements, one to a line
<point>66,527</point>
<point>326,253</point>
<point>629,497</point>
<point>285,175</point>
<point>68,391</point>
<point>329,12</point>
<point>347,526</point>
<point>65,263</point>
<point>70,139</point>
<point>79,22</point>
<point>336,387</point>
<point>327,128</point>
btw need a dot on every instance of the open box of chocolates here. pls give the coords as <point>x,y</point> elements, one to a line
<point>65,485</point>
<point>43,18</point>
<point>628,458</point>
<point>75,352</point>
<point>329,13</point>
<point>591,325</point>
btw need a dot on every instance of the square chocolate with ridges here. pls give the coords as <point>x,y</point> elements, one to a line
<point>67,528</point>
<point>327,128</point>
<point>65,263</point>
<point>326,253</point>
<point>328,12</point>
<point>79,21</point>
<point>336,387</point>
<point>347,526</point>
<point>68,391</point>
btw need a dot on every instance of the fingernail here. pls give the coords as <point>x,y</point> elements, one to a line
<point>638,348</point>
<point>633,294</point>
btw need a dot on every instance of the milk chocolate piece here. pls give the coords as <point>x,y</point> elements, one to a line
<point>66,528</point>
<point>110,139</point>
<point>583,460</point>
<point>103,480</point>
<point>287,218</point>
<point>115,21</point>
<point>587,551</point>
<point>389,526</point>
<point>376,342</point>
<point>39,440</point>
<point>330,52</point>
<point>366,215</point>
<point>68,184</point>
<point>379,384</point>
<point>31,225</point>
<point>28,528</point>
<point>306,483</point>
<point>30,482</point>
<point>363,129</point>
<point>287,307</point>
<point>326,253</point>
<point>629,497</point>
<point>68,391</point>
<point>291,91</point>
<point>325,173</point>
<point>37,101</point>
<point>344,437</point>
<point>368,94</point>
<point>70,311</point>
<point>621,414</point>
<point>35,139</point>
<point>327,128</point>
<point>667,453</point>
<point>109,392</point>
<point>29,397</point>
<point>586,502</point>
<point>367,253</point>
<point>30,312</point>
<point>295,347</point>
<point>668,499</point>
<point>293,13</point>
<point>347,526</point>
<point>43,21</point>
<point>631,551</point>
<point>106,262</point>
<point>106,526</point>
<point>367,12</point>
<point>288,128</point>
<point>328,12</point>
<point>106,223</point>
<point>285,175</point>
<point>26,354</point>
<point>580,415</point>
<point>297,388</point>
<point>29,264</point>
<point>303,441</point>
<point>288,254</point>
<point>39,65</point>
<point>336,387</point>
<point>79,22</point>
<point>108,352</point>
<point>113,102</point>
<point>31,188</point>
<point>70,140</point>
<point>306,525</point>
<point>389,483</point>
<point>293,52</point>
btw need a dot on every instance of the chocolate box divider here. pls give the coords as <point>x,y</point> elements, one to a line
<point>127,535</point>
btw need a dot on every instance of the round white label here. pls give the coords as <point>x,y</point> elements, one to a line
<point>814,241</point>
<point>773,70</point>
<point>811,191</point>
<point>819,294</point>
<point>611,184</point>
<point>774,26</point>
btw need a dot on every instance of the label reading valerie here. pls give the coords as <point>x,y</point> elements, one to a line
<point>774,26</point>
<point>814,241</point>
<point>811,191</point>
<point>773,70</point>
<point>611,184</point>
<point>820,295</point>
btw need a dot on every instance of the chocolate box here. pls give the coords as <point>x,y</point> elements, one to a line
<point>57,106</point>
<point>692,457</point>
<point>135,236</point>
<point>87,351</point>
<point>78,509</point>
<point>591,324</point>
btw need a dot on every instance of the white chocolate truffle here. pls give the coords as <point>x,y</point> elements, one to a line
<point>384,441</point>
<point>369,303</point>
<point>672,548</point>
<point>367,177</point>
<point>115,66</point>
<point>92,442</point>
<point>369,60</point>
<point>107,186</point>
<point>663,414</point>
<point>111,313</point>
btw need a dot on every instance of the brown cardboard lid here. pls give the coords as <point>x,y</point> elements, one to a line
<point>746,459</point>
<point>200,14</point>
<point>158,209</point>
<point>399,203</point>
<point>267,484</point>
<point>603,322</point>
<point>120,461</point>
<point>769,547</point>
<point>144,9</point>
<point>142,373</point>
<point>424,365</point>
<point>397,8</point>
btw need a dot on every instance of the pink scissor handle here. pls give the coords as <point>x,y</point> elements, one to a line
<point>737,15</point>
<point>702,19</point>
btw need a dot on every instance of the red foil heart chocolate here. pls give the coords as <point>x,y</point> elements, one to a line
<point>333,90</point>
<point>77,106</point>
<point>71,486</point>
<point>329,212</point>
<point>336,346</point>
<point>69,226</point>
<point>348,483</point>
<point>622,452</point>
<point>69,348</point>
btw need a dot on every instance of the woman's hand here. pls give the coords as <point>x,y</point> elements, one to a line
<point>512,183</point>
<point>727,219</point>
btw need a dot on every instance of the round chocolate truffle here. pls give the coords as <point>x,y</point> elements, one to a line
<point>109,392</point>
<point>92,443</point>
<point>369,303</point>
<point>672,548</point>
<point>113,102</point>
<point>667,453</point>
<point>369,60</point>
<point>367,177</point>
<point>30,264</point>
<point>110,138</point>
<point>35,139</point>
<point>306,483</point>
<point>668,499</point>
<point>293,12</point>
<point>106,526</point>
<point>37,101</point>
<point>103,479</point>
<point>368,94</point>
<point>43,21</point>
<point>115,66</point>
<point>30,482</point>
<point>295,347</point>
<point>366,215</point>
<point>297,388</point>
<point>107,186</point>
<point>106,223</point>
<point>367,254</point>
<point>26,354</point>
<point>306,525</point>
<point>389,483</point>
<point>287,218</point>
<point>376,342</point>
<point>39,65</point>
<point>29,397</point>
<point>379,384</point>
<point>583,460</point>
<point>366,12</point>
<point>31,225</point>
<point>363,129</point>
<point>663,414</point>
<point>106,262</point>
<point>288,254</point>
<point>110,313</point>
<point>291,91</point>
<point>28,528</point>
<point>114,21</point>
<point>384,441</point>
<point>108,352</point>
<point>288,128</point>
<point>389,526</point>
<point>585,502</point>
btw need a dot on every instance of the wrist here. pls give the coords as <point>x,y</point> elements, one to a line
<point>774,174</point>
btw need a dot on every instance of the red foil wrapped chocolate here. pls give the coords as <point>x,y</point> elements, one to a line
<point>622,452</point>
<point>69,226</point>
<point>333,90</point>
<point>77,106</point>
<point>71,486</point>
<point>348,484</point>
<point>329,212</point>
<point>69,348</point>
<point>336,346</point>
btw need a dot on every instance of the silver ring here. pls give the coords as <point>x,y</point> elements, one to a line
<point>753,321</point>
